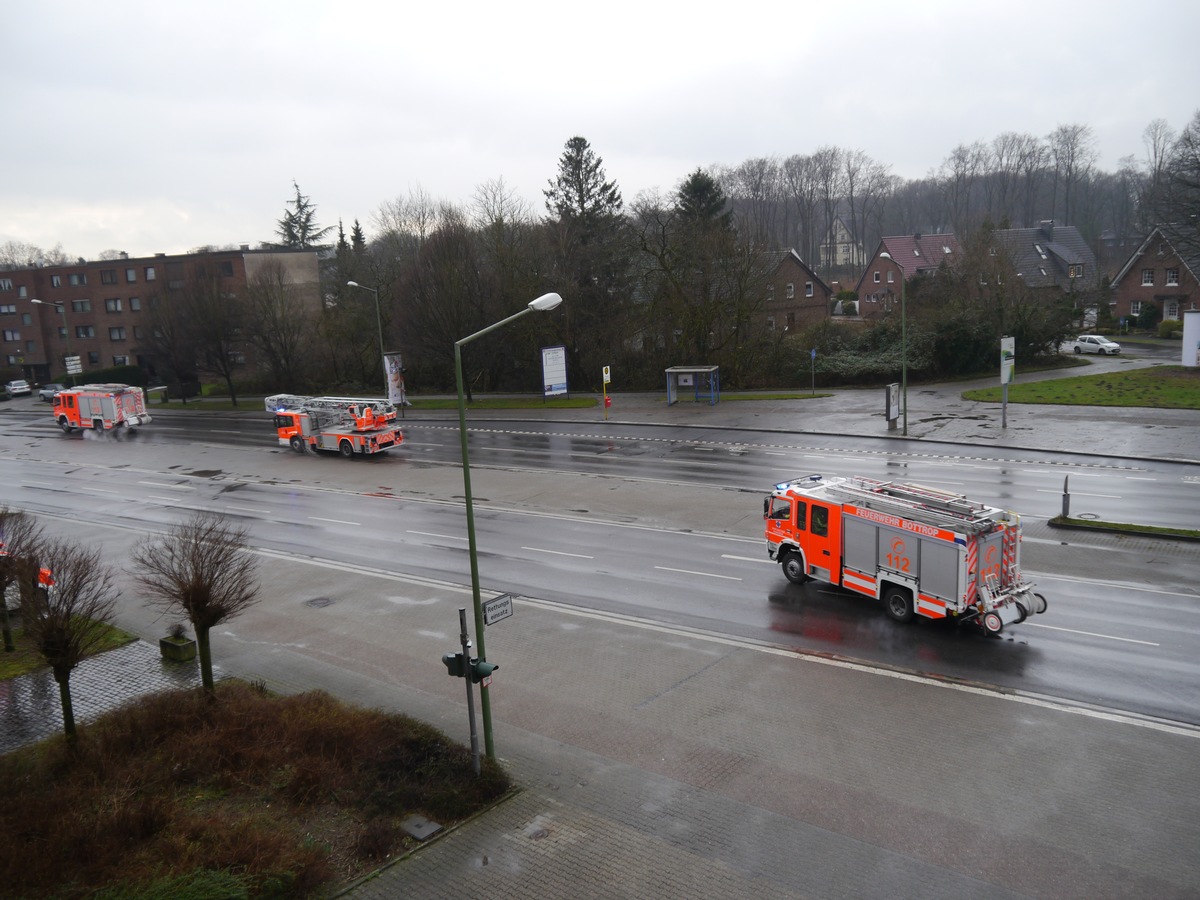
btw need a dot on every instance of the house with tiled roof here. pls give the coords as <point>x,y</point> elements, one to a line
<point>897,259</point>
<point>796,295</point>
<point>1164,270</point>
<point>1049,256</point>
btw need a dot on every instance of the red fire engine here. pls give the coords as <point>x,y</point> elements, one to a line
<point>101,407</point>
<point>347,425</point>
<point>924,551</point>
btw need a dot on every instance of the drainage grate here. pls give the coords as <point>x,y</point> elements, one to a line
<point>318,602</point>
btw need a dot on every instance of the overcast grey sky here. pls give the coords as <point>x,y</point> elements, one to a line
<point>162,126</point>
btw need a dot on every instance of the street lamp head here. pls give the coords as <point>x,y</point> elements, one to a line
<point>545,302</point>
<point>353,284</point>
<point>885,255</point>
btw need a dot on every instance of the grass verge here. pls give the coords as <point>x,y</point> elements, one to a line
<point>246,793</point>
<point>1160,387</point>
<point>25,658</point>
<point>1182,534</point>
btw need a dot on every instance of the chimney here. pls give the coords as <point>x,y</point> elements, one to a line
<point>124,255</point>
<point>245,247</point>
<point>1047,227</point>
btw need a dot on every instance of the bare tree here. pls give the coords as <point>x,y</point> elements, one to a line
<point>279,325</point>
<point>200,569</point>
<point>1073,150</point>
<point>67,618</point>
<point>20,535</point>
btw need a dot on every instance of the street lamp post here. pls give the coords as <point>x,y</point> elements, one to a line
<point>378,325</point>
<point>903,344</point>
<point>62,308</point>
<point>543,303</point>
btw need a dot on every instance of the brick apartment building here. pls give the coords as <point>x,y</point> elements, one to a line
<point>99,311</point>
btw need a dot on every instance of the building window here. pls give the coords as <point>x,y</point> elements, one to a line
<point>93,357</point>
<point>131,275</point>
<point>84,331</point>
<point>770,324</point>
<point>1172,276</point>
<point>8,309</point>
<point>116,333</point>
<point>108,276</point>
<point>55,281</point>
<point>1172,311</point>
<point>1135,308</point>
<point>5,284</point>
<point>226,266</point>
<point>137,332</point>
<point>81,306</point>
<point>21,292</point>
<point>30,346</point>
<point>113,304</point>
<point>982,278</point>
<point>877,278</point>
<point>62,332</point>
<point>120,360</point>
<point>791,322</point>
<point>1075,271</point>
<point>149,272</point>
<point>1147,277</point>
<point>79,279</point>
<point>11,335</point>
<point>791,290</point>
<point>891,277</point>
<point>135,304</point>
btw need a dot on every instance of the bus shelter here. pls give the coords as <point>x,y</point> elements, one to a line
<point>701,381</point>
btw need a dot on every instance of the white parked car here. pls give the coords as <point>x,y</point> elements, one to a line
<point>1096,343</point>
<point>17,388</point>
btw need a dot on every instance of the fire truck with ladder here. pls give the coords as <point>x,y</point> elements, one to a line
<point>923,551</point>
<point>347,425</point>
<point>100,407</point>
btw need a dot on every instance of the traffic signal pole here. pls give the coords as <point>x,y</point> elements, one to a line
<point>466,655</point>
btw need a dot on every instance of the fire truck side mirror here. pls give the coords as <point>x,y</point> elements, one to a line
<point>766,506</point>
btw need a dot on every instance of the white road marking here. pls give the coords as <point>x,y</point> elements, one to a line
<point>334,521</point>
<point>173,487</point>
<point>1137,478</point>
<point>1107,637</point>
<point>449,537</point>
<point>558,552</point>
<point>252,509</point>
<point>756,559</point>
<point>163,499</point>
<point>1081,494</point>
<point>705,574</point>
<point>36,484</point>
<point>88,487</point>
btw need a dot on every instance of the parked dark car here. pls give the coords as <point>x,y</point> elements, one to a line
<point>49,391</point>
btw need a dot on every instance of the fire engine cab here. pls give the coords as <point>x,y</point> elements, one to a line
<point>100,407</point>
<point>923,551</point>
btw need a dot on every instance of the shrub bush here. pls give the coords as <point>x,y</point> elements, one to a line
<point>1170,328</point>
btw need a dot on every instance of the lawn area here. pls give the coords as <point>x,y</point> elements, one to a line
<point>245,794</point>
<point>1160,387</point>
<point>25,658</point>
<point>254,404</point>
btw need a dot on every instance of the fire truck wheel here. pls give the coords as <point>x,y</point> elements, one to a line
<point>992,623</point>
<point>347,450</point>
<point>297,444</point>
<point>64,425</point>
<point>793,568</point>
<point>1042,604</point>
<point>899,604</point>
